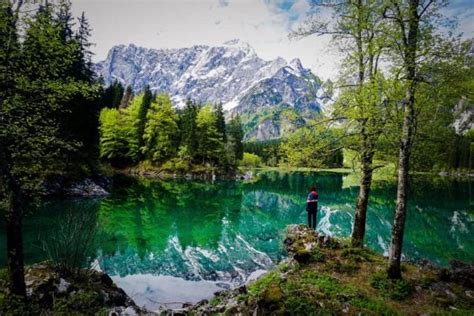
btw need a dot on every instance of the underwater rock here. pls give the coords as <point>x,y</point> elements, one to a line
<point>86,188</point>
<point>96,186</point>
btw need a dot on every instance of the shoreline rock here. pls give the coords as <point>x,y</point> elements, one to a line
<point>95,186</point>
<point>321,275</point>
<point>57,291</point>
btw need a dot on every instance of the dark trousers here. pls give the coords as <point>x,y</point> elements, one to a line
<point>312,210</point>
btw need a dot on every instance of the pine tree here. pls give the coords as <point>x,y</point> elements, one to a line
<point>37,90</point>
<point>236,135</point>
<point>82,37</point>
<point>65,19</point>
<point>144,106</point>
<point>220,122</point>
<point>113,94</point>
<point>187,126</point>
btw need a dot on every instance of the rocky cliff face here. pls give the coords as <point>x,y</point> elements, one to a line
<point>231,74</point>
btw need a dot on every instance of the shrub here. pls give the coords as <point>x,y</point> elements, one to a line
<point>394,289</point>
<point>71,247</point>
<point>250,160</point>
<point>356,254</point>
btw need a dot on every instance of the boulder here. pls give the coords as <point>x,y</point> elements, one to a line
<point>459,272</point>
<point>44,285</point>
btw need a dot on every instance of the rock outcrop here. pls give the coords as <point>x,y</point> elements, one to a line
<point>85,292</point>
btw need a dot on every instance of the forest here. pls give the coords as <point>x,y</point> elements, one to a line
<point>404,87</point>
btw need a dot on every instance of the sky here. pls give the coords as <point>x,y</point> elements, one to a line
<point>264,24</point>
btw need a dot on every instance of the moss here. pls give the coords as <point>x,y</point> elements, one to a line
<point>317,255</point>
<point>216,300</point>
<point>373,306</point>
<point>343,267</point>
<point>357,254</point>
<point>88,302</point>
<point>258,287</point>
<point>272,294</point>
<point>394,289</point>
<point>15,305</point>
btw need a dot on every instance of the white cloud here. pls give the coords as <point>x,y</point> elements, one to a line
<point>173,24</point>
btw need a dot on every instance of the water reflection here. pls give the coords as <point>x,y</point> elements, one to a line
<point>215,235</point>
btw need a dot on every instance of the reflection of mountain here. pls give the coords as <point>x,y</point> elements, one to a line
<point>224,231</point>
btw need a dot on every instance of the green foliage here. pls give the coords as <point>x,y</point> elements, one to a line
<point>220,122</point>
<point>113,94</point>
<point>188,129</point>
<point>268,150</point>
<point>113,136</point>
<point>150,129</point>
<point>258,287</point>
<point>313,147</point>
<point>396,289</point>
<point>357,254</point>
<point>235,137</point>
<point>71,247</point>
<point>15,305</point>
<point>209,140</point>
<point>373,306</point>
<point>250,161</point>
<point>160,131</point>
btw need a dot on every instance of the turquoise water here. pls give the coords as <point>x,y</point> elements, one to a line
<point>180,241</point>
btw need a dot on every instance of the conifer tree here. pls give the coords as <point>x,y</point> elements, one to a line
<point>188,129</point>
<point>220,122</point>
<point>235,138</point>
<point>144,106</point>
<point>37,90</point>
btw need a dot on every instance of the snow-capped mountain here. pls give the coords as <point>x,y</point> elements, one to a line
<point>231,74</point>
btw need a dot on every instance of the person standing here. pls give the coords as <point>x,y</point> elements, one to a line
<point>312,206</point>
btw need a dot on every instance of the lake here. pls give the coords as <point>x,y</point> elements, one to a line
<point>174,241</point>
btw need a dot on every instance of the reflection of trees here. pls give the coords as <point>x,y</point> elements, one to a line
<point>155,210</point>
<point>141,217</point>
<point>435,204</point>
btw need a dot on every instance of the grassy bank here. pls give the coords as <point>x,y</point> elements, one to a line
<point>334,279</point>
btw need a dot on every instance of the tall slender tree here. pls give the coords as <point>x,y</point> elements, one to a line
<point>236,136</point>
<point>413,42</point>
<point>220,122</point>
<point>357,26</point>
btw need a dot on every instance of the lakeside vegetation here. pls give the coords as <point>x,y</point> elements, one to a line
<point>333,278</point>
<point>59,121</point>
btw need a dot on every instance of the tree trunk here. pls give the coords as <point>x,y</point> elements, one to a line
<point>398,228</point>
<point>358,231</point>
<point>15,247</point>
<point>409,58</point>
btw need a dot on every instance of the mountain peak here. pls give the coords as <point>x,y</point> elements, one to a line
<point>240,45</point>
<point>231,74</point>
<point>296,64</point>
